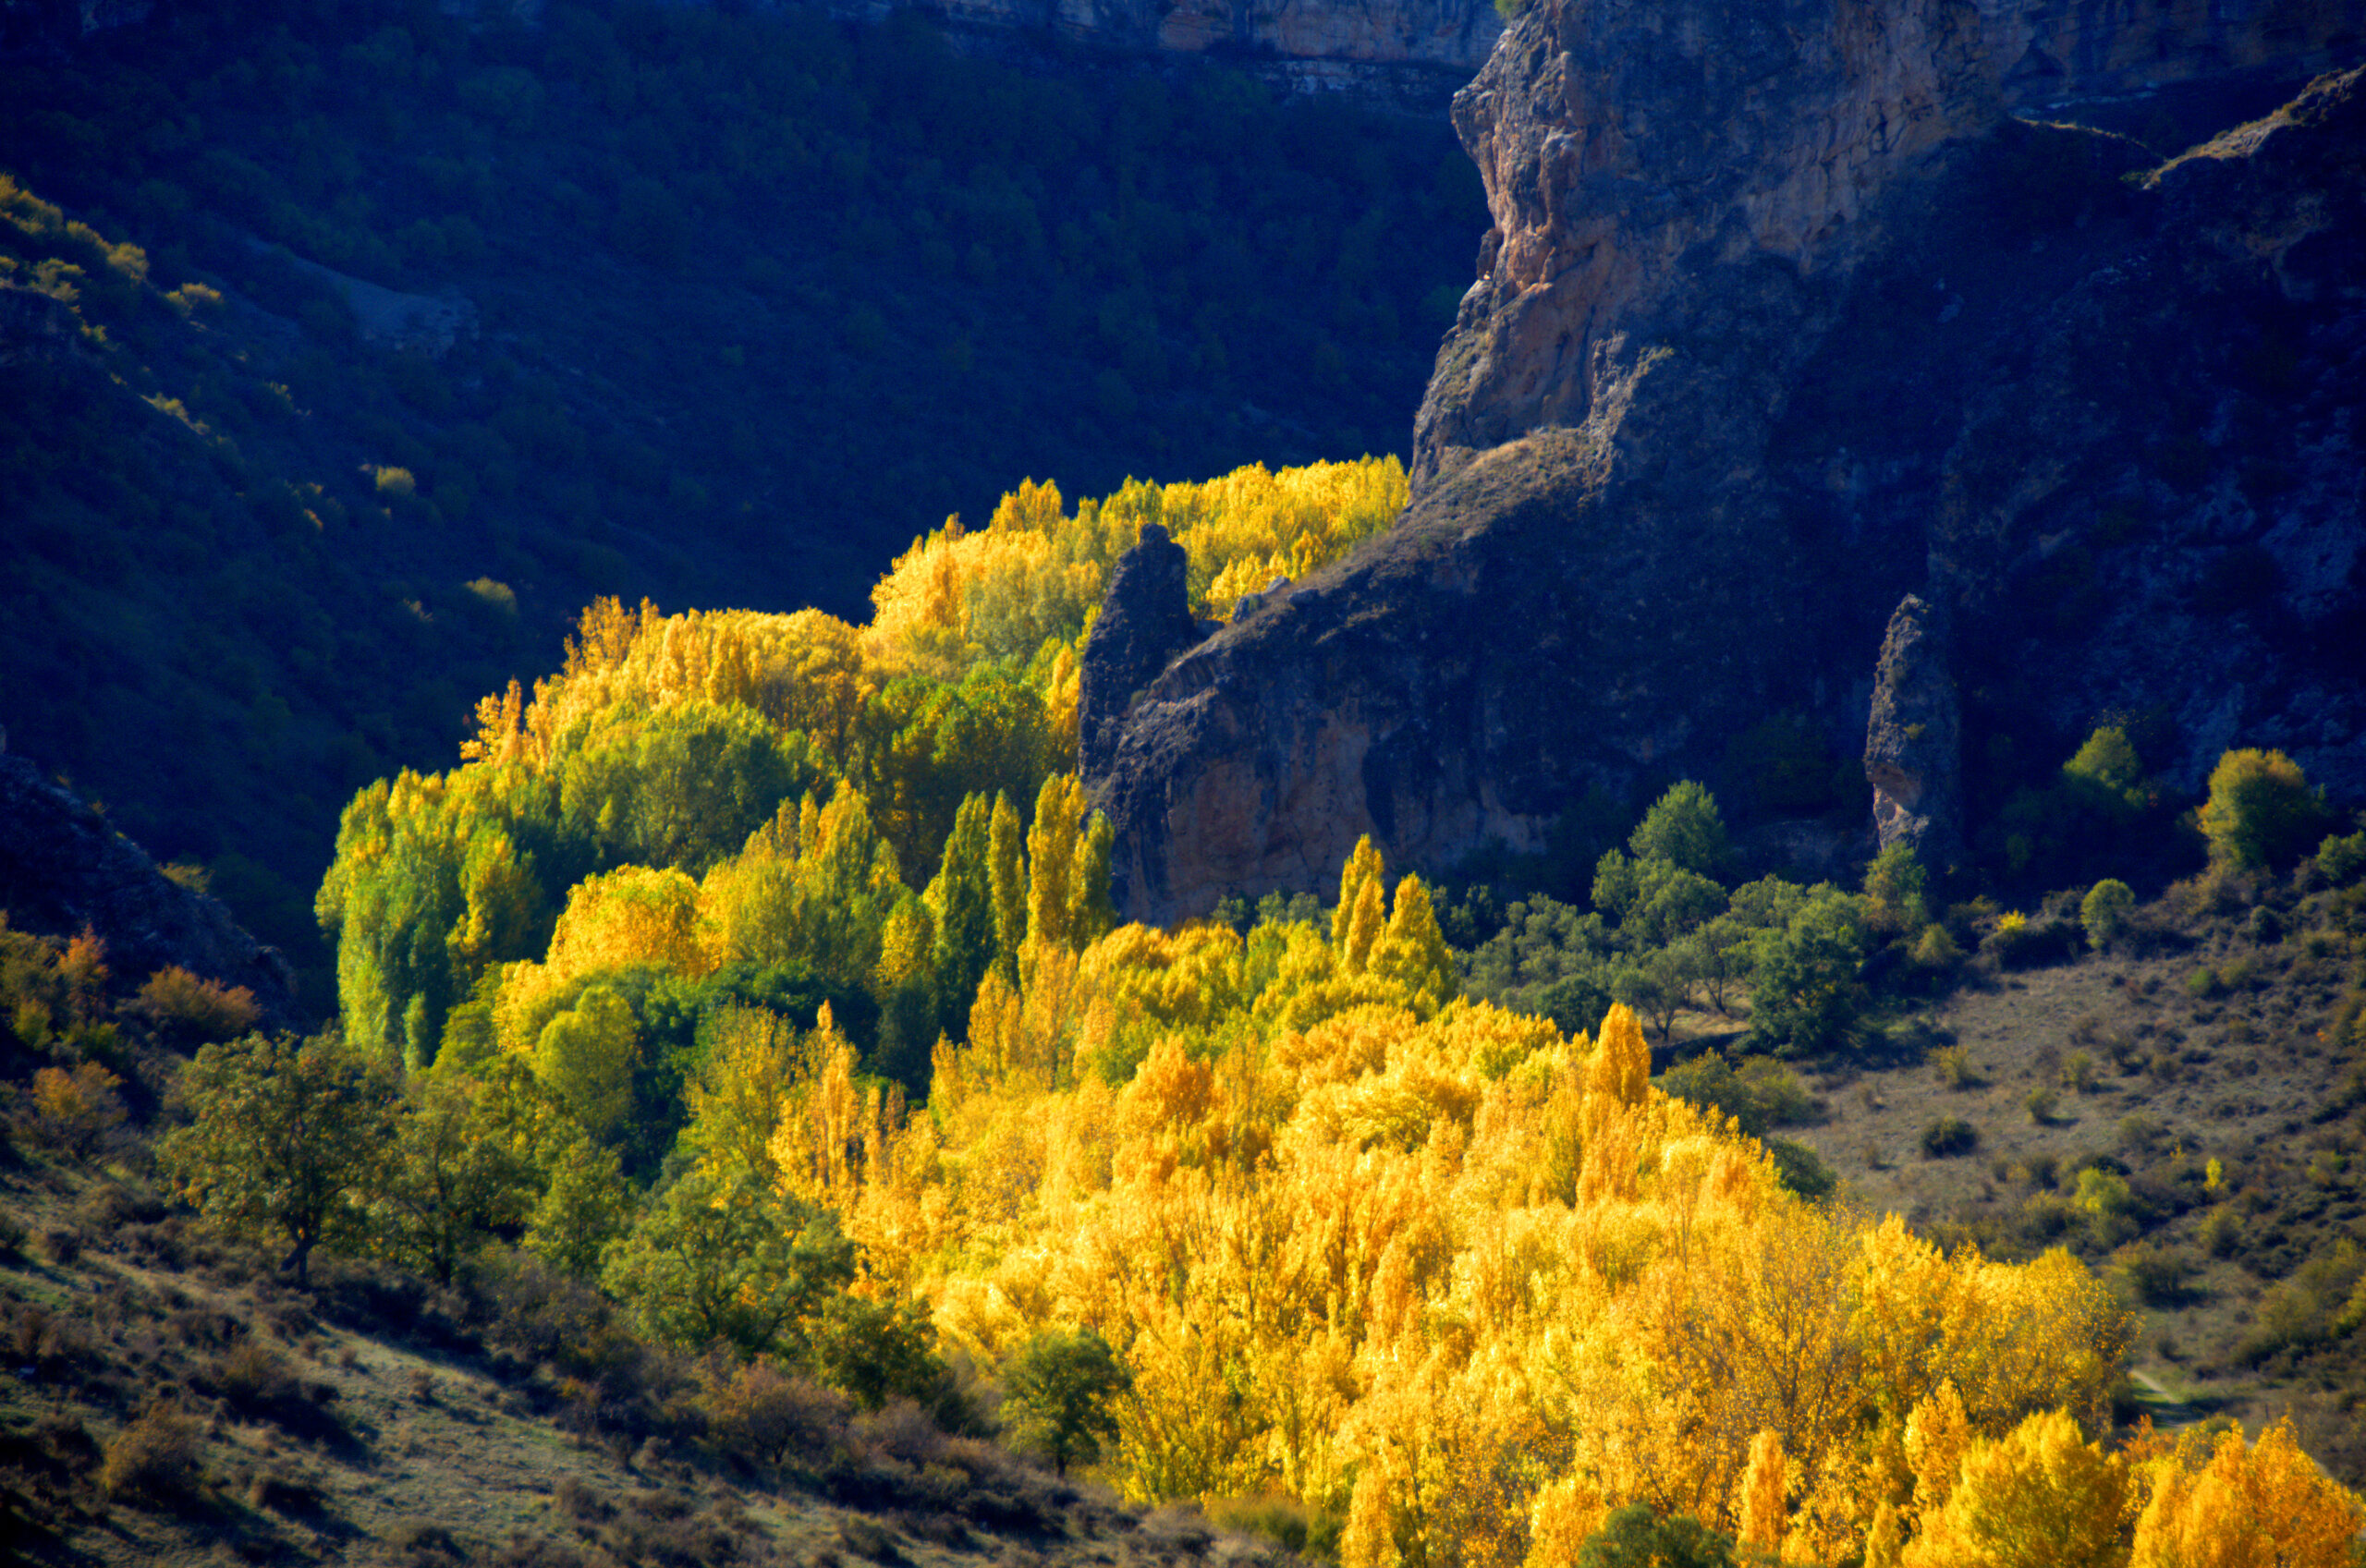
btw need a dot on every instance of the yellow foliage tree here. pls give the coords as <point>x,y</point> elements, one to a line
<point>2245,1506</point>
<point>2039,1496</point>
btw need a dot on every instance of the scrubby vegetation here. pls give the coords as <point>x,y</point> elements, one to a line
<point>738,1067</point>
<point>741,1033</point>
<point>362,344</point>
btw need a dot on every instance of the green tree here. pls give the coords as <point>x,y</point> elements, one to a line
<point>585,1207</point>
<point>1007,877</point>
<point>585,1057</point>
<point>725,1256</point>
<point>1898,892</point>
<point>1656,984</point>
<point>1804,991</point>
<point>681,787</point>
<point>876,1351</point>
<point>286,1137</point>
<point>1685,828</point>
<point>2260,813</point>
<point>1636,1538</point>
<point>1061,1388</point>
<point>451,1179</point>
<point>961,896</point>
<point>2106,911</point>
<point>2107,773</point>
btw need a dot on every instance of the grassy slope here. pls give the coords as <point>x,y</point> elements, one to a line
<point>385,1427</point>
<point>757,300</point>
<point>2246,1076</point>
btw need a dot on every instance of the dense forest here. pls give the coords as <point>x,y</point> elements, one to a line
<point>756,973</point>
<point>733,1055</point>
<point>352,347</point>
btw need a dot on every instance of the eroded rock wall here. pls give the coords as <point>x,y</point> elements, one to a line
<point>63,870</point>
<point>1778,325</point>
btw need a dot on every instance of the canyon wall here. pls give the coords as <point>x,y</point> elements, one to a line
<point>1781,318</point>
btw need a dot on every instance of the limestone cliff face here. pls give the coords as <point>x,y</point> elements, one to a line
<point>1914,740</point>
<point>1453,35</point>
<point>1623,142</point>
<point>1778,325</point>
<point>63,870</point>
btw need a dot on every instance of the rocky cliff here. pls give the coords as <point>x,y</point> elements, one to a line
<point>63,870</point>
<point>2045,57</point>
<point>1781,318</point>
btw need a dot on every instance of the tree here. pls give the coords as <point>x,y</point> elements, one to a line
<point>2260,814</point>
<point>961,896</point>
<point>1684,827</point>
<point>1061,1387</point>
<point>2107,773</point>
<point>1896,891</point>
<point>1764,1512</point>
<point>1804,990</point>
<point>2263,1506</point>
<point>2039,1496</point>
<point>723,1255</point>
<point>586,1056</point>
<point>1636,1538</point>
<point>876,1351</point>
<point>584,1209</point>
<point>2105,912</point>
<point>451,1179</point>
<point>1007,878</point>
<point>1656,985</point>
<point>286,1137</point>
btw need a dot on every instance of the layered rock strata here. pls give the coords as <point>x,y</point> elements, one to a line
<point>1778,325</point>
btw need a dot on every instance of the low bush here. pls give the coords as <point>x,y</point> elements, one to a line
<point>156,1455</point>
<point>1284,1520</point>
<point>757,1412</point>
<point>1948,1136</point>
<point>2152,1274</point>
<point>188,1005</point>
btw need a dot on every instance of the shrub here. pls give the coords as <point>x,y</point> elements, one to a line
<point>2261,812</point>
<point>1949,1135</point>
<point>2103,1192</point>
<point>1937,950</point>
<point>1280,1518</point>
<point>181,1002</point>
<point>397,482</point>
<point>2042,1102</point>
<point>2106,912</point>
<point>157,1455</point>
<point>756,1411</point>
<point>2155,1275</point>
<point>2338,860</point>
<point>71,1111</point>
<point>2202,983</point>
<point>2019,942</point>
<point>1955,1068</point>
<point>252,1376</point>
<point>1798,1168</point>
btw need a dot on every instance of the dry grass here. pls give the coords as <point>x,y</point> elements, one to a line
<point>185,1408</point>
<point>2114,1066</point>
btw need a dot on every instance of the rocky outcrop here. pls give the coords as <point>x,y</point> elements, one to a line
<point>1775,326</point>
<point>1145,620</point>
<point>2055,54</point>
<point>63,870</point>
<point>1452,36</point>
<point>36,329</point>
<point>1621,152</point>
<point>1914,740</point>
